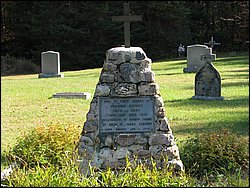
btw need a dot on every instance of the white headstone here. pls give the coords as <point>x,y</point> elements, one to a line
<point>50,65</point>
<point>194,54</point>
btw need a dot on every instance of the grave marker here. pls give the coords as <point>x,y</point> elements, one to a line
<point>50,65</point>
<point>72,95</point>
<point>208,57</point>
<point>194,60</point>
<point>126,118</point>
<point>208,81</point>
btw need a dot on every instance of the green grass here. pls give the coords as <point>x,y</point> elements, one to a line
<point>26,102</point>
<point>189,116</point>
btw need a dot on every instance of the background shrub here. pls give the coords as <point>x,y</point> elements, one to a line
<point>13,66</point>
<point>215,153</point>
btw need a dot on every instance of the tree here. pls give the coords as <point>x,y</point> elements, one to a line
<point>82,31</point>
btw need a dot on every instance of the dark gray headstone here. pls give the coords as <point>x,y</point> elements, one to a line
<point>208,83</point>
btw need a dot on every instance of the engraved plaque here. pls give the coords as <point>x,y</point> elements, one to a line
<point>123,115</point>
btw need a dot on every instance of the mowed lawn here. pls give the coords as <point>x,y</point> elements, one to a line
<point>26,101</point>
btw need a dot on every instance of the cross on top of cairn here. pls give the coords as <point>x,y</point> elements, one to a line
<point>127,19</point>
<point>212,42</point>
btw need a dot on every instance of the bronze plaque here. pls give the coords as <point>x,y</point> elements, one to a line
<point>125,115</point>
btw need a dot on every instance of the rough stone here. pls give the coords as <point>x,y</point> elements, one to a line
<point>177,164</point>
<point>160,112</point>
<point>162,124</point>
<point>161,139</point>
<point>106,154</point>
<point>143,153</point>
<point>156,150</point>
<point>140,140</point>
<point>173,152</point>
<point>125,139</point>
<point>107,78</point>
<point>90,126</point>
<point>122,153</point>
<point>146,64</point>
<point>124,89</point>
<point>130,73</point>
<point>91,116</point>
<point>134,148</point>
<point>148,89</point>
<point>122,54</point>
<point>102,90</point>
<point>147,76</point>
<point>126,76</point>
<point>109,142</point>
<point>110,67</point>
<point>159,101</point>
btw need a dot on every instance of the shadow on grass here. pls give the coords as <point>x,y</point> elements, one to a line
<point>235,84</point>
<point>238,76</point>
<point>245,70</point>
<point>165,69</point>
<point>189,103</point>
<point>169,74</point>
<point>176,64</point>
<point>239,127</point>
<point>184,59</point>
<point>93,75</point>
<point>231,84</point>
<point>238,122</point>
<point>233,61</point>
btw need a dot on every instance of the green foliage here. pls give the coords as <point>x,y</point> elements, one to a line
<point>12,65</point>
<point>45,145</point>
<point>141,175</point>
<point>68,176</point>
<point>215,153</point>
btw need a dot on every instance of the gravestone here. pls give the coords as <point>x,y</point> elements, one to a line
<point>72,95</point>
<point>194,61</point>
<point>208,81</point>
<point>50,65</point>
<point>127,118</point>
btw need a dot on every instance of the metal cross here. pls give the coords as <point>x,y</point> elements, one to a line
<point>126,19</point>
<point>212,42</point>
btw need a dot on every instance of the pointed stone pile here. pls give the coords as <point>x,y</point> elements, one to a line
<point>126,119</point>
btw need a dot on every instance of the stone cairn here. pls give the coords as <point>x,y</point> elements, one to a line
<point>127,73</point>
